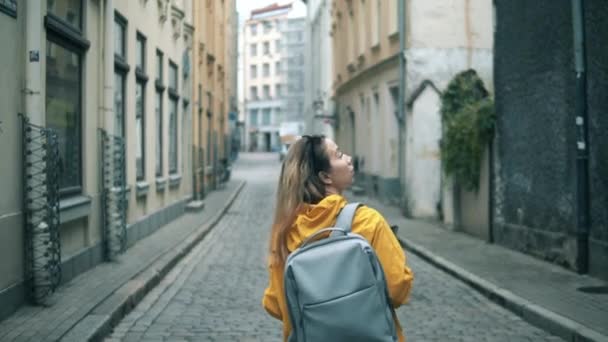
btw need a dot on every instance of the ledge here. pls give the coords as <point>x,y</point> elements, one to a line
<point>208,170</point>
<point>10,10</point>
<point>141,189</point>
<point>75,207</point>
<point>174,180</point>
<point>159,85</point>
<point>161,183</point>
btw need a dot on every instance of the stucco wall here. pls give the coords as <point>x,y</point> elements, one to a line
<point>11,228</point>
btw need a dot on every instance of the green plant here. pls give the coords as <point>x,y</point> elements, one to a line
<point>468,118</point>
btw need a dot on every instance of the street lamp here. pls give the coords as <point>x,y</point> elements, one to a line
<point>317,106</point>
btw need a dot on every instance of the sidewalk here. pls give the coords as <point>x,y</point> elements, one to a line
<point>544,294</point>
<point>88,306</point>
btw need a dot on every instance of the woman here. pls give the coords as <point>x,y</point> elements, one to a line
<point>309,197</point>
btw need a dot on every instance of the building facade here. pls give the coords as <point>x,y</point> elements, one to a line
<point>400,161</point>
<point>101,151</point>
<point>319,109</point>
<point>294,45</point>
<point>264,76</point>
<point>214,91</point>
<point>365,82</point>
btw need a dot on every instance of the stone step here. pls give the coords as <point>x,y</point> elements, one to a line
<point>195,206</point>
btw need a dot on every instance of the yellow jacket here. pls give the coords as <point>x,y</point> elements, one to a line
<point>367,223</point>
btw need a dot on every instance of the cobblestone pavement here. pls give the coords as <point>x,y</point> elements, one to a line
<point>215,293</point>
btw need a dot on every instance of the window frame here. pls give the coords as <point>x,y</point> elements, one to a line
<point>10,11</point>
<point>174,104</point>
<point>61,33</point>
<point>158,171</point>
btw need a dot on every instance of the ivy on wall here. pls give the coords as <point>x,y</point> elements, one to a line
<point>468,117</point>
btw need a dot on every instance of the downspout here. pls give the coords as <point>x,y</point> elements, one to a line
<point>582,151</point>
<point>108,71</point>
<point>401,104</point>
<point>33,69</point>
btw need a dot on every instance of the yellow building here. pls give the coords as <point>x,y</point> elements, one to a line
<point>104,157</point>
<point>365,89</point>
<point>213,69</point>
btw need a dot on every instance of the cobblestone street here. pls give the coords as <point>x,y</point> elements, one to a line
<point>214,294</point>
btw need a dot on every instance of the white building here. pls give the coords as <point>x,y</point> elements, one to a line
<point>318,105</point>
<point>294,67</point>
<point>263,76</point>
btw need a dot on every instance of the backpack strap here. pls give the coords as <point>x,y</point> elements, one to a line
<point>345,218</point>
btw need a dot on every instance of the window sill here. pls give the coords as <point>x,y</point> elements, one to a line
<point>74,208</point>
<point>174,180</point>
<point>159,86</point>
<point>121,64</point>
<point>141,189</point>
<point>393,35</point>
<point>161,183</point>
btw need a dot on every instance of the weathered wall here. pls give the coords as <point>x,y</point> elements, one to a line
<point>535,174</point>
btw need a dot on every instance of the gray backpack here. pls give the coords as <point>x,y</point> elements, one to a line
<point>336,289</point>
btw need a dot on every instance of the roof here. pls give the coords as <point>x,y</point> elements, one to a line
<point>271,8</point>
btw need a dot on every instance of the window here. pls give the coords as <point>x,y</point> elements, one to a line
<point>140,152</point>
<point>140,53</point>
<point>173,136</point>
<point>253,120</point>
<point>267,27</point>
<point>277,68</point>
<point>254,49</point>
<point>159,132</point>
<point>277,46</point>
<point>119,104</point>
<point>173,76</point>
<point>253,69</point>
<point>266,91</point>
<point>266,70</point>
<point>63,111</point>
<point>120,28</point>
<point>254,29</point>
<point>278,90</point>
<point>9,7</point>
<point>66,47</point>
<point>159,67</point>
<point>267,48</point>
<point>278,115</point>
<point>254,92</point>
<point>69,11</point>
<point>266,116</point>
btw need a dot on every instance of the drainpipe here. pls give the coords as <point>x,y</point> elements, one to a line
<point>582,151</point>
<point>108,57</point>
<point>33,69</point>
<point>401,104</point>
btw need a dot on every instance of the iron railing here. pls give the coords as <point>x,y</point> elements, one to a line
<point>41,173</point>
<point>114,198</point>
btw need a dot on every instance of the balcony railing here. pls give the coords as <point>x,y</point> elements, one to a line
<point>114,199</point>
<point>41,173</point>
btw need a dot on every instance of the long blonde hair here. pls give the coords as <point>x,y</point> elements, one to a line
<point>299,183</point>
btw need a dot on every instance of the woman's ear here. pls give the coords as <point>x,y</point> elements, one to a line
<point>324,176</point>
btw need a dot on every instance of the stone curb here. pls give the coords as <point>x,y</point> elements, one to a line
<point>534,314</point>
<point>99,322</point>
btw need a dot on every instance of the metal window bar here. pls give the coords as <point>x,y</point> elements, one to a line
<point>41,173</point>
<point>114,199</point>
